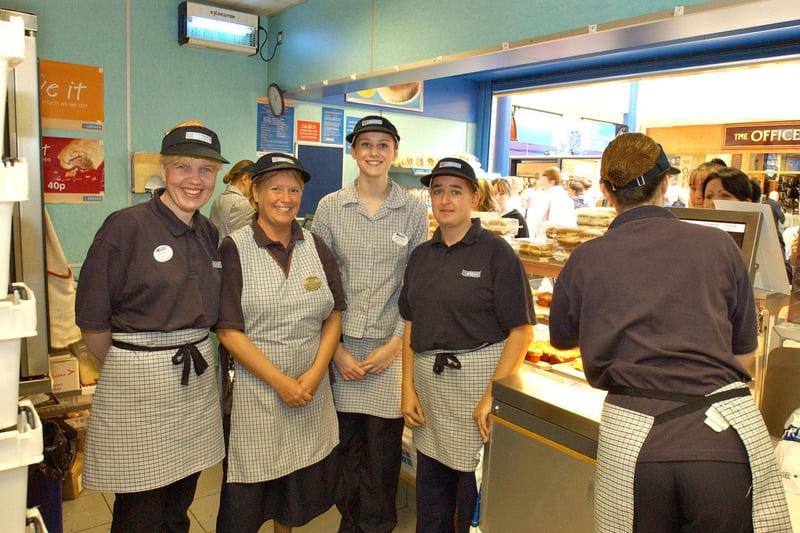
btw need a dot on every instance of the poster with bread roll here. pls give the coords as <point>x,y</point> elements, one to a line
<point>402,96</point>
<point>73,170</point>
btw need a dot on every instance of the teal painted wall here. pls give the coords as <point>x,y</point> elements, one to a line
<point>332,39</point>
<point>168,83</point>
<point>324,39</point>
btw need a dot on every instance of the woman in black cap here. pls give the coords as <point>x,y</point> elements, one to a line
<point>682,446</point>
<point>371,226</point>
<point>280,318</point>
<point>468,311</point>
<point>148,294</point>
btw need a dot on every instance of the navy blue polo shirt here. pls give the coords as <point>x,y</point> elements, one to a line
<point>462,296</point>
<point>148,271</point>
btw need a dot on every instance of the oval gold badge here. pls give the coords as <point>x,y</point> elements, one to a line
<point>312,283</point>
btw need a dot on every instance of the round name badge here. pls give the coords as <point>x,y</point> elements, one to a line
<point>400,239</point>
<point>163,253</point>
<point>312,283</point>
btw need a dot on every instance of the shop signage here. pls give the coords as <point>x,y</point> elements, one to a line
<point>71,96</point>
<point>308,131</point>
<point>73,170</point>
<point>775,134</point>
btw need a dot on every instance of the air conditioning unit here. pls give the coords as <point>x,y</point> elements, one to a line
<point>218,28</point>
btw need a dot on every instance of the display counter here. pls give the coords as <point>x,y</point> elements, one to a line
<point>539,465</point>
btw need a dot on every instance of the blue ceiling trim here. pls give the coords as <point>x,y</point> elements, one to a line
<point>763,43</point>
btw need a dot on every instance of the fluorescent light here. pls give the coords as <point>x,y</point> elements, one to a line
<point>220,26</point>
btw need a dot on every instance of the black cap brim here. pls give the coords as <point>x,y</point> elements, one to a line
<point>194,149</point>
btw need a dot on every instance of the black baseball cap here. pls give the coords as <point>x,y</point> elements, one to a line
<point>373,123</point>
<point>278,161</point>
<point>451,166</point>
<point>193,141</point>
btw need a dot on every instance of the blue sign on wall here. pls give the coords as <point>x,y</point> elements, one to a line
<point>275,134</point>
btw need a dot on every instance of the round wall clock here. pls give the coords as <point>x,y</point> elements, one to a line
<point>275,96</point>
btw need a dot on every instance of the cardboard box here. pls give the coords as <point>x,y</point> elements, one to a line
<point>71,486</point>
<point>64,372</point>
<point>81,425</point>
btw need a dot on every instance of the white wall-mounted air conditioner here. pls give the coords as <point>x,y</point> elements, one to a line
<point>218,28</point>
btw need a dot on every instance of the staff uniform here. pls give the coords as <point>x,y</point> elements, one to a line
<point>155,416</point>
<point>616,298</point>
<point>230,211</point>
<point>462,301</point>
<point>279,297</point>
<point>371,252</point>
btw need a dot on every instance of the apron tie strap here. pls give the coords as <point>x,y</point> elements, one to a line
<point>691,402</point>
<point>186,355</point>
<point>445,359</point>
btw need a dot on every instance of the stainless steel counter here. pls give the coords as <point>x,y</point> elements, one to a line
<point>539,467</point>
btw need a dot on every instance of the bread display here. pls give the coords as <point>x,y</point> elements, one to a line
<point>572,237</point>
<point>500,226</point>
<point>544,352</point>
<point>82,153</point>
<point>538,249</point>
<point>595,216</point>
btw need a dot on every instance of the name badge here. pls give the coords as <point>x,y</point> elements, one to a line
<point>471,273</point>
<point>401,239</point>
<point>216,264</point>
<point>312,283</point>
<point>163,253</point>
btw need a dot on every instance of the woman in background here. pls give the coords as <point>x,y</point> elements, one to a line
<point>696,179</point>
<point>148,294</point>
<point>502,193</point>
<point>232,208</point>
<point>487,202</point>
<point>280,318</point>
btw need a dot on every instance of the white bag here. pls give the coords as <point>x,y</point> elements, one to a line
<point>788,453</point>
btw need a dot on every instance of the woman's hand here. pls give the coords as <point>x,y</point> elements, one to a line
<point>347,365</point>
<point>292,392</point>
<point>412,409</point>
<point>381,357</point>
<point>481,416</point>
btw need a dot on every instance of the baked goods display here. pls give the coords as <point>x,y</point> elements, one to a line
<point>500,226</point>
<point>543,299</point>
<point>538,249</point>
<point>544,352</point>
<point>595,216</point>
<point>571,237</point>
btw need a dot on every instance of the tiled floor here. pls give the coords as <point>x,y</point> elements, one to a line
<point>91,512</point>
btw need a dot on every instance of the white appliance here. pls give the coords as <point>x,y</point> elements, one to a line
<point>218,28</point>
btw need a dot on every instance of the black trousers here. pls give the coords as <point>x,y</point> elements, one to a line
<point>692,496</point>
<point>158,510</point>
<point>366,490</point>
<point>446,498</point>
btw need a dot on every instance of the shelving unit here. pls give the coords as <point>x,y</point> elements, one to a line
<point>408,177</point>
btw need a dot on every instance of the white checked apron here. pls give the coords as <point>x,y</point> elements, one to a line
<point>622,433</point>
<point>147,430</point>
<point>450,435</point>
<point>283,318</point>
<point>378,394</point>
